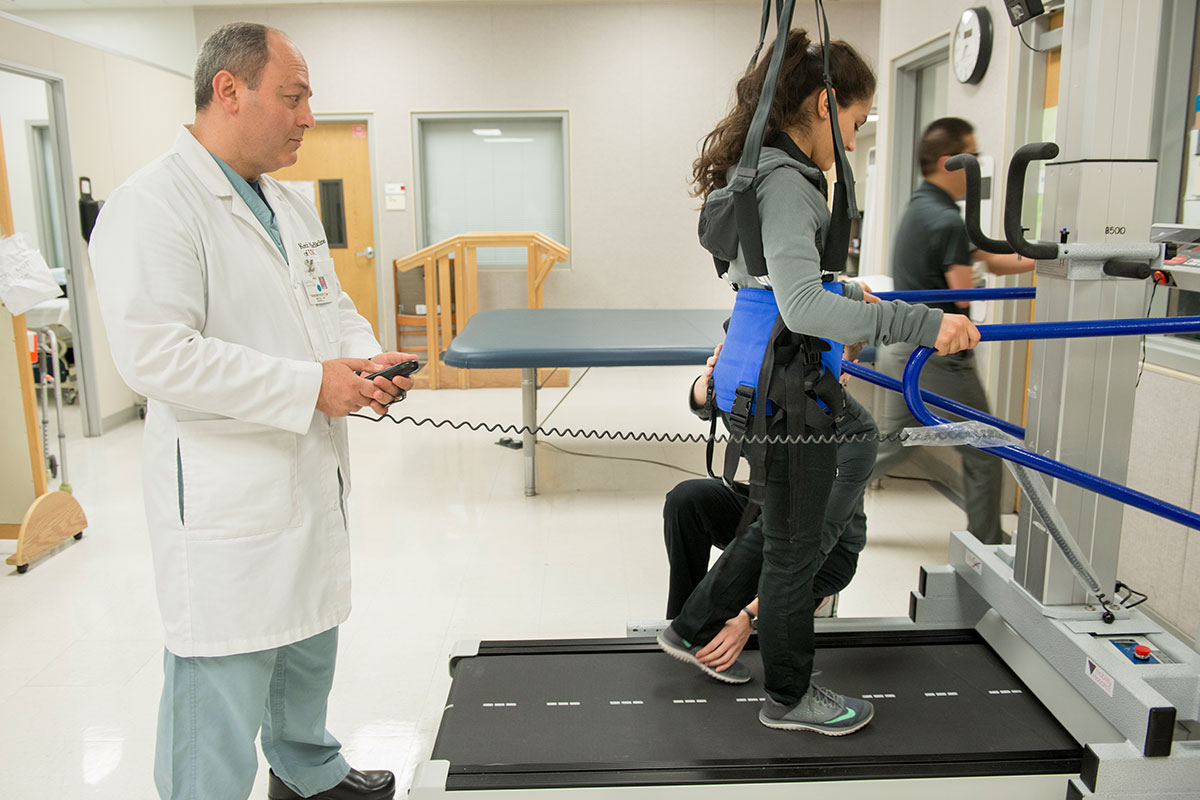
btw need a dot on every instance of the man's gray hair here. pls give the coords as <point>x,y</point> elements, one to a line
<point>239,47</point>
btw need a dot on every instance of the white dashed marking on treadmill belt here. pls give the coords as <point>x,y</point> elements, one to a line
<point>626,703</point>
<point>888,696</point>
<point>690,700</point>
<point>1004,691</point>
<point>499,705</point>
<point>748,699</point>
<point>562,702</point>
<point>941,694</point>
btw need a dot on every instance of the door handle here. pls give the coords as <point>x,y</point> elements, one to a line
<point>368,253</point>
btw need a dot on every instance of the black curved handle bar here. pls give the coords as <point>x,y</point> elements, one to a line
<point>970,164</point>
<point>1013,200</point>
<point>1127,268</point>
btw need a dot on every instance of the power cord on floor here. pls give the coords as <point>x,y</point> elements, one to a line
<point>623,458</point>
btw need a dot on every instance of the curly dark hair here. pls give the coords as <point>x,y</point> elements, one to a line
<point>801,76</point>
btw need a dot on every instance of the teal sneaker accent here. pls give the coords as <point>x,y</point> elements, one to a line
<point>820,710</point>
<point>850,712</point>
<point>676,646</point>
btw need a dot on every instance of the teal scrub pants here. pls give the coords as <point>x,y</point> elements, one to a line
<point>212,708</point>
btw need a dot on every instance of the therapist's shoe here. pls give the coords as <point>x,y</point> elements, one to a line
<point>370,785</point>
<point>820,710</point>
<point>676,646</point>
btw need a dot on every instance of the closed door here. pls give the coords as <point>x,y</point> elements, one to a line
<point>334,170</point>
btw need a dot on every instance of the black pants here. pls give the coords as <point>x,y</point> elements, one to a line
<point>957,378</point>
<point>777,562</point>
<point>701,514</point>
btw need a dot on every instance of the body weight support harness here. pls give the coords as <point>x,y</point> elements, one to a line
<point>795,376</point>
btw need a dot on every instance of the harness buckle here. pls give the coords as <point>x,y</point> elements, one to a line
<point>739,413</point>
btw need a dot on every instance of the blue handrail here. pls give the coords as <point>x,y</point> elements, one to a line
<point>1062,330</point>
<point>955,295</point>
<point>936,400</point>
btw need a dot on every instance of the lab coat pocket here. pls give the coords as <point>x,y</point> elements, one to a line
<point>330,316</point>
<point>237,479</point>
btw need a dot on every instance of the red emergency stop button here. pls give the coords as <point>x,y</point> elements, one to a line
<point>1141,651</point>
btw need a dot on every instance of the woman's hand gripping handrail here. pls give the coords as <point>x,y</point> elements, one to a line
<point>1062,330</point>
<point>936,400</point>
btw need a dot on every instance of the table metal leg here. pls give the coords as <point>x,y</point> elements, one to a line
<point>529,420</point>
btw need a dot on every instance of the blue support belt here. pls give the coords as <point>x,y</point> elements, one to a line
<point>736,373</point>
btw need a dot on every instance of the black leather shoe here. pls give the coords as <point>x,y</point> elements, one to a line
<point>371,785</point>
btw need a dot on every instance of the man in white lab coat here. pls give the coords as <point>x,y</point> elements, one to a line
<point>222,307</point>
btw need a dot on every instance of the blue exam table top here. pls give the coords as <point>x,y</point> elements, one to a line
<point>574,337</point>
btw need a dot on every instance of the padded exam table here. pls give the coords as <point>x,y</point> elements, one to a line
<point>531,338</point>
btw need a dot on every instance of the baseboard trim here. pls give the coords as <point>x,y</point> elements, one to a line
<point>118,419</point>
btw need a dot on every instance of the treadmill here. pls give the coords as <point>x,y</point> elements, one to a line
<point>1007,679</point>
<point>563,715</point>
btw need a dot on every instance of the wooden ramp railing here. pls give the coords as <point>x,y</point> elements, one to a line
<point>452,292</point>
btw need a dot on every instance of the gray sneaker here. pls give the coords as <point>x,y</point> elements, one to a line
<point>819,710</point>
<point>676,646</point>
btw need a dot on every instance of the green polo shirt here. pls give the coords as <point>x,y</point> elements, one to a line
<point>930,240</point>
<point>253,195</point>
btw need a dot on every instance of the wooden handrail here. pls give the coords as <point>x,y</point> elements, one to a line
<point>514,239</point>
<point>457,256</point>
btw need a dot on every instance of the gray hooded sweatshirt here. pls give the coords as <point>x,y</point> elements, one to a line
<point>795,218</point>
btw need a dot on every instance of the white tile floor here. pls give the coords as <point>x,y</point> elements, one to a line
<point>446,547</point>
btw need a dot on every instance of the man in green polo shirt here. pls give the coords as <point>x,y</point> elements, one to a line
<point>932,251</point>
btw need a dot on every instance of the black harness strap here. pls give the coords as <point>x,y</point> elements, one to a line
<point>745,199</point>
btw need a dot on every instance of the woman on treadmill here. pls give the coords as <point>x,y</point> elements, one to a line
<point>776,557</point>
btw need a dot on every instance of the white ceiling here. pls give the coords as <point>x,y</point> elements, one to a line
<point>60,5</point>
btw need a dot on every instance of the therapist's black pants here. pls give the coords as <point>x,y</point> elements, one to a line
<point>703,513</point>
<point>777,562</point>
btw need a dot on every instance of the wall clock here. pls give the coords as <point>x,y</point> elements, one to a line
<point>971,48</point>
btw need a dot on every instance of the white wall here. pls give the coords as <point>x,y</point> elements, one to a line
<point>22,100</point>
<point>121,114</point>
<point>162,36</point>
<point>906,25</point>
<point>1159,557</point>
<point>643,84</point>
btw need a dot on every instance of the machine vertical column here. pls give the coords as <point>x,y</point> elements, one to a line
<point>1081,391</point>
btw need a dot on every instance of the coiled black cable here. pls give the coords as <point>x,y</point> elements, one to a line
<point>635,436</point>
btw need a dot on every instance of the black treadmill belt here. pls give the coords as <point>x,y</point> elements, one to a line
<point>619,711</point>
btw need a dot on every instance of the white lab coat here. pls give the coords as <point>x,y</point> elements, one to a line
<point>240,471</point>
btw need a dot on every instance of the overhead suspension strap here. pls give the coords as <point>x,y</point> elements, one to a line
<point>762,34</point>
<point>845,207</point>
<point>745,200</point>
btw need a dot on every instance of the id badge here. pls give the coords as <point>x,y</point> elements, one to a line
<point>318,290</point>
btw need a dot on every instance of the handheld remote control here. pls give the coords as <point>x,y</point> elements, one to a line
<point>403,368</point>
